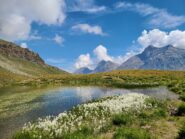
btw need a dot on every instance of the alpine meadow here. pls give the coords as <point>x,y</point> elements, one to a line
<point>92,69</point>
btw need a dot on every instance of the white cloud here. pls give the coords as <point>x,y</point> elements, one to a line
<point>156,17</point>
<point>101,53</point>
<point>16,16</point>
<point>88,6</point>
<point>160,38</point>
<point>24,45</point>
<point>58,39</point>
<point>83,60</point>
<point>14,27</point>
<point>86,28</point>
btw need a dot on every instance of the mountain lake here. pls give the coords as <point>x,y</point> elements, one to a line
<point>19,105</point>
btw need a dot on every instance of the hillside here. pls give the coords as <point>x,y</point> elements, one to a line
<point>19,63</point>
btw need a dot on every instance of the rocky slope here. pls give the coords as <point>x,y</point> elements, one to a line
<point>12,50</point>
<point>104,66</point>
<point>165,58</point>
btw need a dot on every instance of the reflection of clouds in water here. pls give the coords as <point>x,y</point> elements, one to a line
<point>85,93</point>
<point>89,93</point>
<point>116,92</point>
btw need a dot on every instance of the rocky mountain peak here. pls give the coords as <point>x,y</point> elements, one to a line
<point>12,50</point>
<point>164,58</point>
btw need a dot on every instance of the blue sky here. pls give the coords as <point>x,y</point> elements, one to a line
<point>84,32</point>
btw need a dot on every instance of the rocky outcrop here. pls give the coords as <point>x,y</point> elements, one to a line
<point>12,50</point>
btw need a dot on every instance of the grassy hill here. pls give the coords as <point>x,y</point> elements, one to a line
<point>18,63</point>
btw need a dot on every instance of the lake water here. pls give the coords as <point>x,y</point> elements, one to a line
<point>21,105</point>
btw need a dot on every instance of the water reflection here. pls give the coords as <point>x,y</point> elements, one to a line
<point>55,101</point>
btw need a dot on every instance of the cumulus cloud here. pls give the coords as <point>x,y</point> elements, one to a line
<point>24,45</point>
<point>83,60</point>
<point>160,38</point>
<point>58,39</point>
<point>86,28</point>
<point>101,53</point>
<point>88,6</point>
<point>16,16</point>
<point>14,27</point>
<point>160,18</point>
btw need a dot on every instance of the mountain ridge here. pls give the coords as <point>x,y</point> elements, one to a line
<point>102,66</point>
<point>152,58</point>
<point>165,58</point>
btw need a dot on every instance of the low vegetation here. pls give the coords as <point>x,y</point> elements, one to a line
<point>92,118</point>
<point>181,134</point>
<point>130,116</point>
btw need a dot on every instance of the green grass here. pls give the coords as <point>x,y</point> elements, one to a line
<point>181,134</point>
<point>181,110</point>
<point>122,119</point>
<point>131,133</point>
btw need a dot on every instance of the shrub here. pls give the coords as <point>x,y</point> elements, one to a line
<point>182,132</point>
<point>131,133</point>
<point>182,97</point>
<point>121,119</point>
<point>160,112</point>
<point>181,110</point>
<point>83,133</point>
<point>20,135</point>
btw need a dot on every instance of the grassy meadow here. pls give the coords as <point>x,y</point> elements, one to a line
<point>174,80</point>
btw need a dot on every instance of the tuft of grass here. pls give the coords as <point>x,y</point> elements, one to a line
<point>182,97</point>
<point>181,110</point>
<point>84,133</point>
<point>131,133</point>
<point>181,134</point>
<point>23,136</point>
<point>122,119</point>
